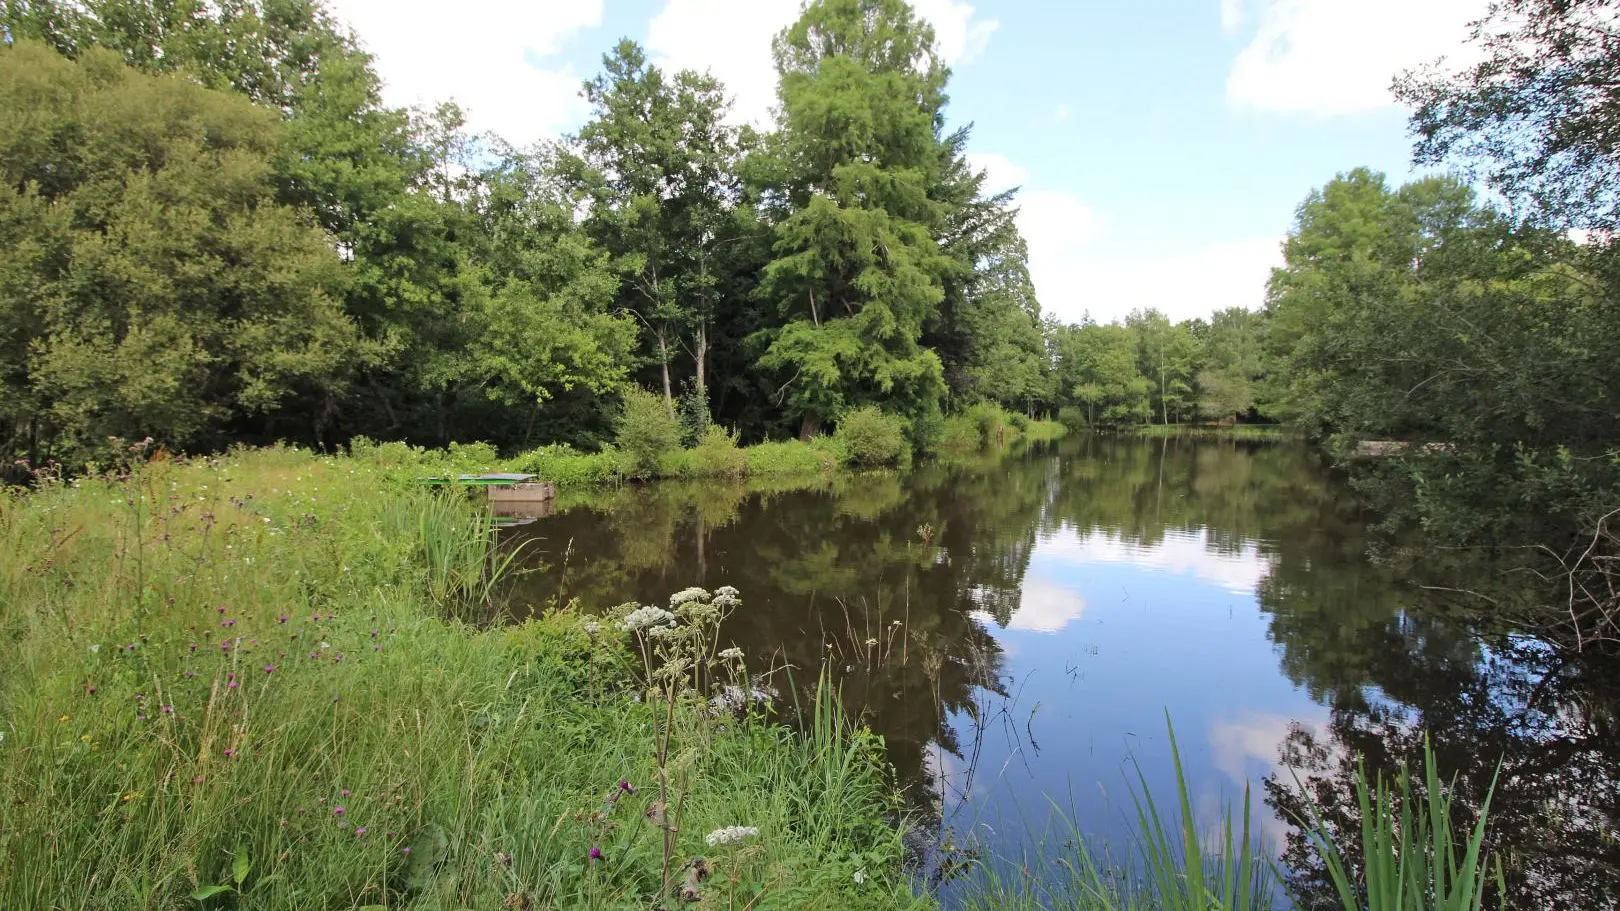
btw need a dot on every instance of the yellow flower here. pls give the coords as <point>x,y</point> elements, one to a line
<point>65,718</point>
<point>131,796</point>
<point>84,736</point>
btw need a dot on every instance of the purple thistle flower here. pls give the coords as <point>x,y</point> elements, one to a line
<point>626,786</point>
<point>227,623</point>
<point>131,646</point>
<point>359,831</point>
<point>282,619</point>
<point>269,668</point>
<point>90,689</point>
<point>221,608</point>
<point>229,752</point>
<point>337,811</point>
<point>405,851</point>
<point>168,710</point>
<point>193,646</point>
<point>231,686</point>
<point>596,852</point>
<point>344,792</point>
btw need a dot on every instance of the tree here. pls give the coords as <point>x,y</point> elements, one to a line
<point>157,287</point>
<point>661,165</point>
<point>1536,117</point>
<point>857,270</point>
<point>1167,354</point>
<point>1096,365</point>
<point>1229,379</point>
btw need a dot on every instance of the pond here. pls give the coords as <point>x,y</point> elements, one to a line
<point>1019,626</point>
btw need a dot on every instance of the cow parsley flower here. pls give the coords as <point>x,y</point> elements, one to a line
<point>732,653</point>
<point>729,835</point>
<point>643,617</point>
<point>688,595</point>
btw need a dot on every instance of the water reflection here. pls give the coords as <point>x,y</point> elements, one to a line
<point>1016,627</point>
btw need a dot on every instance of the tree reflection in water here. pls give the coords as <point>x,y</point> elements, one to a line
<point>908,586</point>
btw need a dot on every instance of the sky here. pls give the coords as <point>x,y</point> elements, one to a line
<point>1161,146</point>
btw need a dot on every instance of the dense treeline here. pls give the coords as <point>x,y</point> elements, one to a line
<point>217,233</point>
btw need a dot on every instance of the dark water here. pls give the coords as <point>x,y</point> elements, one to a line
<point>1017,628</point>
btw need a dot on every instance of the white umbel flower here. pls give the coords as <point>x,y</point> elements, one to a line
<point>687,595</point>
<point>732,653</point>
<point>643,617</point>
<point>729,835</point>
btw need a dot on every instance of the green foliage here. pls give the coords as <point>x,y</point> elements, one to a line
<point>790,457</point>
<point>693,411</point>
<point>716,455</point>
<point>647,431</point>
<point>869,438</point>
<point>566,466</point>
<point>155,287</point>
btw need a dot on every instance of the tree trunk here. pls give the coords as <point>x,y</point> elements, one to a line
<point>810,427</point>
<point>702,360</point>
<point>663,364</point>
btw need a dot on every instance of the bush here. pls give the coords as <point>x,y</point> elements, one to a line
<point>692,408</point>
<point>1019,421</point>
<point>869,437</point>
<point>1072,417</point>
<point>716,455</point>
<point>647,432</point>
<point>566,466</point>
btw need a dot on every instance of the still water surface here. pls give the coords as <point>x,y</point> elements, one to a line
<point>1018,626</point>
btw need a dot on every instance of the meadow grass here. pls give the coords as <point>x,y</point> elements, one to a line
<point>236,683</point>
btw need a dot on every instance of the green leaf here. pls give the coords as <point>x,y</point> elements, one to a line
<point>428,849</point>
<point>206,892</point>
<point>240,865</point>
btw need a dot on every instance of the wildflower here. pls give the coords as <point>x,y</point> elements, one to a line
<point>596,852</point>
<point>360,831</point>
<point>168,710</point>
<point>91,689</point>
<point>405,851</point>
<point>94,649</point>
<point>269,668</point>
<point>643,617</point>
<point>726,591</point>
<point>232,685</point>
<point>859,877</point>
<point>84,737</point>
<point>337,810</point>
<point>871,642</point>
<point>732,653</point>
<point>326,645</point>
<point>343,793</point>
<point>228,623</point>
<point>65,718</point>
<point>593,628</point>
<point>281,619</point>
<point>193,646</point>
<point>229,752</point>
<point>729,835</point>
<point>131,796</point>
<point>686,596</point>
<point>220,609</point>
<point>626,787</point>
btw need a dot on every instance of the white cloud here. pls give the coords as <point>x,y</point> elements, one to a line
<point>1340,56</point>
<point>1074,275</point>
<point>1073,279</point>
<point>732,40</point>
<point>1044,606</point>
<point>1177,552</point>
<point>488,56</point>
<point>1231,16</point>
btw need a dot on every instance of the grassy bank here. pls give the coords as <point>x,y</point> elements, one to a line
<point>1215,431</point>
<point>717,454</point>
<point>239,678</point>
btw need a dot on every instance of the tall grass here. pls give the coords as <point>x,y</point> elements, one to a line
<point>333,741</point>
<point>1409,857</point>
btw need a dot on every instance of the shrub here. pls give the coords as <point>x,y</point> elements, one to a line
<point>647,432</point>
<point>1072,417</point>
<point>716,455</point>
<point>869,437</point>
<point>566,466</point>
<point>692,409</point>
<point>1019,421</point>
